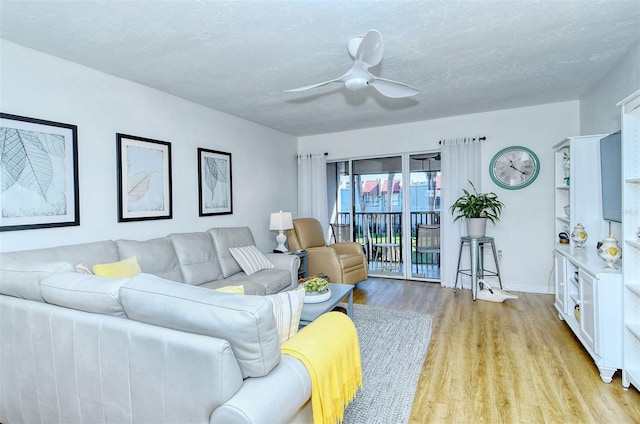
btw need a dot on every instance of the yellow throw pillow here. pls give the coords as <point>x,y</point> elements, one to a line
<point>124,269</point>
<point>231,289</point>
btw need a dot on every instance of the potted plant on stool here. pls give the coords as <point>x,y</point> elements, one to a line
<point>476,208</point>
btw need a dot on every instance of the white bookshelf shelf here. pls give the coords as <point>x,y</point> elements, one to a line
<point>630,114</point>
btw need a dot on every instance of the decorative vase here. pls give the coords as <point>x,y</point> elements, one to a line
<point>609,251</point>
<point>476,227</point>
<point>579,235</point>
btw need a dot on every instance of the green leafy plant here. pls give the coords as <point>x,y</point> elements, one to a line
<point>316,285</point>
<point>477,205</point>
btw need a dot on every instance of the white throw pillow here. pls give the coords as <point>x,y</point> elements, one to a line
<point>250,259</point>
<point>287,307</point>
<point>83,269</point>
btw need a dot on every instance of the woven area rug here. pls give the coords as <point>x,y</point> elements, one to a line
<point>393,346</point>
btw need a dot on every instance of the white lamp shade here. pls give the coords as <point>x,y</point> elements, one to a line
<point>281,221</point>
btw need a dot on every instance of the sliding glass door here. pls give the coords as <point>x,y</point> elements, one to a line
<point>378,208</point>
<point>397,223</point>
<point>424,197</point>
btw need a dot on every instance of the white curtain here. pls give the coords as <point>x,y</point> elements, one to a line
<point>312,188</point>
<point>460,164</point>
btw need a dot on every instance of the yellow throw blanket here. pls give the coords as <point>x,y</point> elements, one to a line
<point>329,349</point>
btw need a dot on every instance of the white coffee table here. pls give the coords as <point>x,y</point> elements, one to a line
<point>311,311</point>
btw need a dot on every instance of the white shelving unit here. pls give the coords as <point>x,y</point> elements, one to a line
<point>630,108</point>
<point>582,192</point>
<point>588,294</point>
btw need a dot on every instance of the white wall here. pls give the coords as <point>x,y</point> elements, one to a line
<point>41,86</point>
<point>598,111</point>
<point>525,233</point>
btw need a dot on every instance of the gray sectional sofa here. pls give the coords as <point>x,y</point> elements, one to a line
<point>159,347</point>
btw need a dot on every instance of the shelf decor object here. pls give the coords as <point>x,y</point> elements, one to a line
<point>579,235</point>
<point>630,117</point>
<point>566,167</point>
<point>38,174</point>
<point>609,251</point>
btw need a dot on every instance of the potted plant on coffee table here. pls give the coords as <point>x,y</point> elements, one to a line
<point>316,290</point>
<point>476,208</point>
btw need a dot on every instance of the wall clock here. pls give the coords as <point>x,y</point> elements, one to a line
<point>514,167</point>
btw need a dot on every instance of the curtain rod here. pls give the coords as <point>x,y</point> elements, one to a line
<point>483,138</point>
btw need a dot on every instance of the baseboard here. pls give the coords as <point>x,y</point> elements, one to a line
<point>527,288</point>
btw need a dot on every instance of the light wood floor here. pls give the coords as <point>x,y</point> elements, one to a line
<point>512,362</point>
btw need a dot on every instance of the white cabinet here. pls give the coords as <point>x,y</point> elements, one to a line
<point>560,269</point>
<point>589,299</point>
<point>630,231</point>
<point>577,192</point>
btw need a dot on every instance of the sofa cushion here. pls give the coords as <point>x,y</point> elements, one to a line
<point>86,253</point>
<point>197,257</point>
<point>89,293</point>
<point>287,307</point>
<point>225,238</point>
<point>21,278</point>
<point>273,280</point>
<point>250,259</point>
<point>246,322</point>
<point>126,268</point>
<point>156,256</point>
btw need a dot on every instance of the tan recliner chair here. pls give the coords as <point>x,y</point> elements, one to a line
<point>341,262</point>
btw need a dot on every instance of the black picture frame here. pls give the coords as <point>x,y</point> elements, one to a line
<point>144,178</point>
<point>215,188</point>
<point>39,173</point>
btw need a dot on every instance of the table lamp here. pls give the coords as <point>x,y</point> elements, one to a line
<point>281,221</point>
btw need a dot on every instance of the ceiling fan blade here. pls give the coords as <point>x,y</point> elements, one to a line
<point>371,49</point>
<point>393,89</point>
<point>308,87</point>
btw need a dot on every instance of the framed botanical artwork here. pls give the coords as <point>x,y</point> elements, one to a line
<point>144,178</point>
<point>214,182</point>
<point>38,174</point>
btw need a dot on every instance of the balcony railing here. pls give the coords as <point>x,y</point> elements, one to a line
<point>372,228</point>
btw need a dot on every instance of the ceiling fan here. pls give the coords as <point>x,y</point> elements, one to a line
<point>367,52</point>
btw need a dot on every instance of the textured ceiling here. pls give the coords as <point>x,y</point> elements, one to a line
<point>239,56</point>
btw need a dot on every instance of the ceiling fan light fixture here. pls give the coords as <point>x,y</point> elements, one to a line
<point>367,52</point>
<point>355,84</point>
